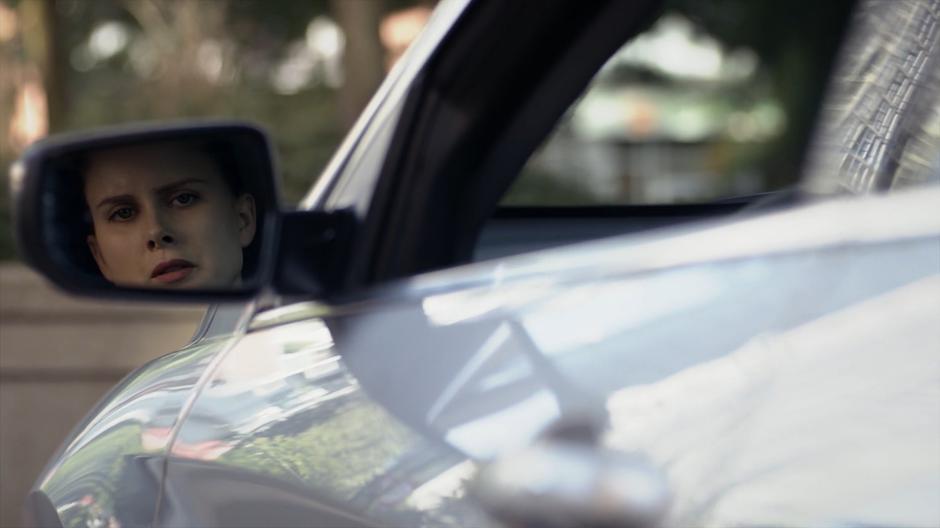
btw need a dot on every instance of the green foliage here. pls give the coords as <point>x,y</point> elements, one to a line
<point>343,450</point>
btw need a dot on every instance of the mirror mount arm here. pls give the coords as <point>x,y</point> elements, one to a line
<point>312,251</point>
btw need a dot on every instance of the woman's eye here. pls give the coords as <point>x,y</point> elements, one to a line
<point>122,214</point>
<point>184,199</point>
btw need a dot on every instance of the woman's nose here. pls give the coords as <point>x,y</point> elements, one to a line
<point>159,239</point>
<point>159,236</point>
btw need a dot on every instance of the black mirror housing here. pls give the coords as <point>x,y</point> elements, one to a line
<point>49,204</point>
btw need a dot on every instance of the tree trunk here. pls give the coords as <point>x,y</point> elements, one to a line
<point>364,57</point>
<point>44,47</point>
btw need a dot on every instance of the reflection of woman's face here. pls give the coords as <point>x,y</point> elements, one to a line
<point>164,217</point>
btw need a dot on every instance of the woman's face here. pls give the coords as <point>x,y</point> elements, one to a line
<point>164,217</point>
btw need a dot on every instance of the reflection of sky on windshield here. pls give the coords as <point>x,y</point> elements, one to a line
<point>455,307</point>
<point>616,307</point>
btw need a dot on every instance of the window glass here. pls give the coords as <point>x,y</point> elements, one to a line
<point>697,108</point>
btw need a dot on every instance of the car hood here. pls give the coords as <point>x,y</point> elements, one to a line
<point>778,370</point>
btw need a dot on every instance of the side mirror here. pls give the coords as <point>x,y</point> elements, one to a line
<point>185,211</point>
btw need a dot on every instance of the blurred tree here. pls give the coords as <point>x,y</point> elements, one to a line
<point>188,54</point>
<point>41,37</point>
<point>793,41</point>
<point>364,58</point>
<point>105,62</point>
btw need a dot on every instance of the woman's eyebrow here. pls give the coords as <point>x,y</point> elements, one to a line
<point>163,189</point>
<point>120,198</point>
<point>172,186</point>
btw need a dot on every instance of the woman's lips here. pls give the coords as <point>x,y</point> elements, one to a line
<point>172,271</point>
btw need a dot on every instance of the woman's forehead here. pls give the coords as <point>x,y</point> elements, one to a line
<point>150,167</point>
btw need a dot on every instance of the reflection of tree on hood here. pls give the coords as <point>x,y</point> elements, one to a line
<point>347,445</point>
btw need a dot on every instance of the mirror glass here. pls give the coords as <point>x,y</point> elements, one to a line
<point>174,213</point>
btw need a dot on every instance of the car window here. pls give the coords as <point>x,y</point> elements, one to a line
<point>697,108</point>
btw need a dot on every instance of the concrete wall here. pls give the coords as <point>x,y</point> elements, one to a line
<point>58,356</point>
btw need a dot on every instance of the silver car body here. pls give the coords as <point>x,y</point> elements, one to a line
<point>815,403</point>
